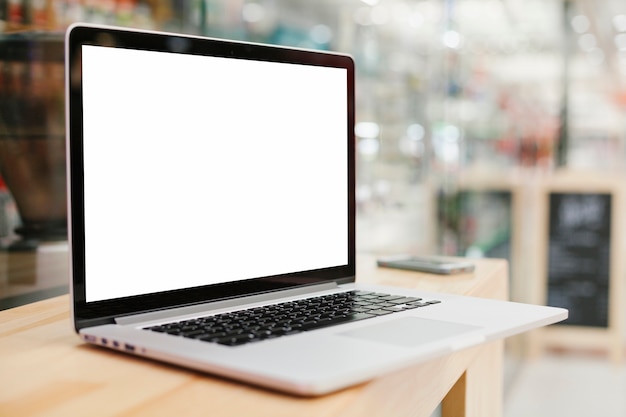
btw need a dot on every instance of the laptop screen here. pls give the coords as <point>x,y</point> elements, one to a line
<point>202,168</point>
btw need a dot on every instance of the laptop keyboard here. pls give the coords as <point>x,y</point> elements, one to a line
<point>271,321</point>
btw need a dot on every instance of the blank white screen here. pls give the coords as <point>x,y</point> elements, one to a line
<point>201,170</point>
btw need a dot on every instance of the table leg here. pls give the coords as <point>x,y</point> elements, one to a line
<point>478,392</point>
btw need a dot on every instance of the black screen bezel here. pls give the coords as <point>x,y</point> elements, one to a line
<point>93,313</point>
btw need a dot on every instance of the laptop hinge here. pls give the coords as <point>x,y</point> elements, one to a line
<point>199,308</point>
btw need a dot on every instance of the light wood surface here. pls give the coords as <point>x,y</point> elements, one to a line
<point>46,370</point>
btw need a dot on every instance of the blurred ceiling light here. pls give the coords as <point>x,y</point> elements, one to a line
<point>416,19</point>
<point>411,147</point>
<point>596,57</point>
<point>380,15</point>
<point>412,144</point>
<point>382,188</point>
<point>580,23</point>
<point>415,131</point>
<point>321,34</point>
<point>619,22</point>
<point>367,130</point>
<point>363,193</point>
<point>587,42</point>
<point>431,11</point>
<point>368,146</point>
<point>362,16</point>
<point>253,12</point>
<point>446,141</point>
<point>452,39</point>
<point>620,41</point>
<point>370,2</point>
<point>451,133</point>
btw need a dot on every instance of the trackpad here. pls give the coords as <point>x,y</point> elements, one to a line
<point>410,331</point>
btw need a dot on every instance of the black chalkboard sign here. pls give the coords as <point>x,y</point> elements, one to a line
<point>579,256</point>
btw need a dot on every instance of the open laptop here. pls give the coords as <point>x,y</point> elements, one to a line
<point>212,217</point>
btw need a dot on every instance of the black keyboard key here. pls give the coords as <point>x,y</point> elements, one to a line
<point>160,329</point>
<point>334,321</point>
<point>193,333</point>
<point>380,312</point>
<point>419,303</point>
<point>236,340</point>
<point>363,309</point>
<point>389,297</point>
<point>404,300</point>
<point>212,337</point>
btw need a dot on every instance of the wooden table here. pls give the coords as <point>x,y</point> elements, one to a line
<point>46,370</point>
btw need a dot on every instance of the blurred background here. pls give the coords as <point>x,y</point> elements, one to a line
<point>480,125</point>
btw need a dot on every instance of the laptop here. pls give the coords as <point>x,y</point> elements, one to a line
<point>212,218</point>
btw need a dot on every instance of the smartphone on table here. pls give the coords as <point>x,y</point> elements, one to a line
<point>432,264</point>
